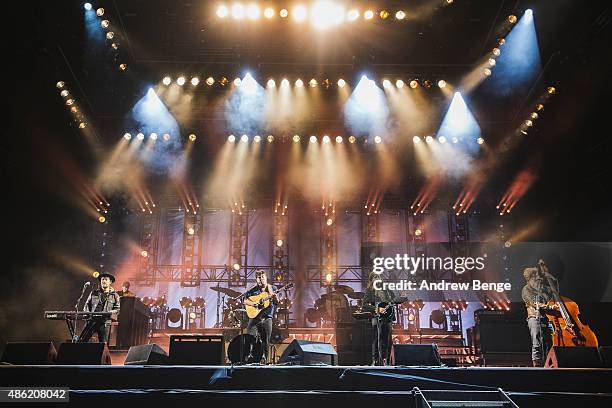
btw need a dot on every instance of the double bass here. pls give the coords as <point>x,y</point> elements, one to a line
<point>564,314</point>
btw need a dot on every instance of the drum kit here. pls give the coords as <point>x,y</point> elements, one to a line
<point>335,306</point>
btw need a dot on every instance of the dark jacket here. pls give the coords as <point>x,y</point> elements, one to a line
<point>372,297</point>
<point>112,301</point>
<point>537,289</point>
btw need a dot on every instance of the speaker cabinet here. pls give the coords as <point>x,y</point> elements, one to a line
<point>573,357</point>
<point>29,353</point>
<point>146,354</point>
<point>415,355</point>
<point>193,349</point>
<point>83,354</point>
<point>605,354</point>
<point>303,352</point>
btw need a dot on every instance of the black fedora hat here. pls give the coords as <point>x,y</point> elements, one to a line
<point>107,275</point>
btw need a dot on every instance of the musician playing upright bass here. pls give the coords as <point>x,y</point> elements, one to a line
<point>262,323</point>
<point>379,303</point>
<point>536,294</point>
<point>103,299</point>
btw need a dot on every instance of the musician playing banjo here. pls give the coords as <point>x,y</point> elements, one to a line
<point>262,323</point>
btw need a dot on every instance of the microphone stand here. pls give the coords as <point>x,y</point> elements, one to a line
<point>75,337</point>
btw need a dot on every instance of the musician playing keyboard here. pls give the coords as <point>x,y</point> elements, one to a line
<point>103,299</point>
<point>380,304</point>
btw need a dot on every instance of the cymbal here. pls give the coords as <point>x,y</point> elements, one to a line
<point>344,289</point>
<point>227,291</point>
<point>355,295</point>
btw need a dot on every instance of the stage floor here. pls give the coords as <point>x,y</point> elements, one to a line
<point>305,385</point>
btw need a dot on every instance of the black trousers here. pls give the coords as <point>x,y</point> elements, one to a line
<point>381,341</point>
<point>261,327</point>
<point>101,328</point>
<point>541,339</point>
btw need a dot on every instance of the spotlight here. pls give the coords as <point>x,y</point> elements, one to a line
<point>427,84</point>
<point>528,123</point>
<point>191,230</point>
<point>285,82</point>
<point>496,52</point>
<point>270,138</point>
<point>501,41</point>
<point>115,46</point>
<point>167,80</point>
<point>140,136</point>
<point>122,67</point>
<point>384,14</point>
<point>69,102</point>
<point>144,254</point>
<point>480,140</point>
<point>416,140</point>
<point>329,277</point>
<point>377,139</point>
<point>253,12</point>
<point>231,138</point>
<point>338,139</point>
<point>60,84</point>
<point>284,13</point>
<point>195,81</point>
<point>529,12</point>
<point>441,83</point>
<point>110,35</point>
<point>539,107</point>
<point>352,15</point>
<point>153,136</point>
<point>329,221</point>
<point>368,15</point>
<point>442,139</point>
<point>87,6</point>
<point>64,93</point>
<point>341,83</point>
<point>127,136</point>
<point>299,83</point>
<point>101,219</point>
<point>269,12</point>
<point>299,13</point>
<point>237,81</point>
<point>492,62</point>
<point>180,81</point>
<point>279,243</point>
<point>400,15</point>
<point>414,84</point>
<point>210,81</point>
<point>418,232</point>
<point>74,109</point>
<point>512,19</point>
<point>386,83</point>
<point>428,139</point>
<point>82,125</point>
<point>534,115</point>
<point>238,11</point>
<point>166,137</point>
<point>236,266</point>
<point>222,11</point>
<point>100,12</point>
<point>449,1</point>
<point>313,83</point>
<point>551,90</point>
<point>244,138</point>
<point>352,139</point>
<point>192,137</point>
<point>296,138</point>
<point>104,23</point>
<point>400,84</point>
<point>326,139</point>
<point>487,72</point>
<point>257,139</point>
<point>313,139</point>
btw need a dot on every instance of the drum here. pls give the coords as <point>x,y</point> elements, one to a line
<point>245,349</point>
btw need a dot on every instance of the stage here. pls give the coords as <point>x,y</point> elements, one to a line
<point>282,385</point>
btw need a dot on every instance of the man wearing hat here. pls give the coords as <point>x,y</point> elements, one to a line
<point>103,299</point>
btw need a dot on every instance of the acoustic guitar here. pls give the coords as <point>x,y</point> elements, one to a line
<point>262,301</point>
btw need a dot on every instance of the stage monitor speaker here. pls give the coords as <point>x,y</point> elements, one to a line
<point>573,357</point>
<point>415,355</point>
<point>83,354</point>
<point>29,353</point>
<point>146,354</point>
<point>303,352</point>
<point>605,354</point>
<point>194,349</point>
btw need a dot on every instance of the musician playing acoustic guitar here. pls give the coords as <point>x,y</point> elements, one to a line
<point>262,323</point>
